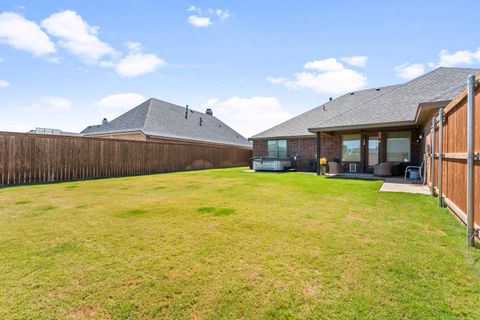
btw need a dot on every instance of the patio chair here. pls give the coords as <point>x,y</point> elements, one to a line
<point>383,169</point>
<point>417,172</point>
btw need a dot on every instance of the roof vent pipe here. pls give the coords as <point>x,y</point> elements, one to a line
<point>209,112</point>
<point>104,121</point>
<point>201,121</point>
<point>186,112</point>
<point>330,99</point>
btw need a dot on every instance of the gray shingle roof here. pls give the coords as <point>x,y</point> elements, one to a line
<point>298,126</point>
<point>163,119</point>
<point>391,104</point>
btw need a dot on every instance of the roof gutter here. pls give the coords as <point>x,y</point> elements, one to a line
<point>282,137</point>
<point>364,126</point>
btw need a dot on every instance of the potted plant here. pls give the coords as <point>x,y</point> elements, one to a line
<point>323,164</point>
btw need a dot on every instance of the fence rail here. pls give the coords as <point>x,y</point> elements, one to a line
<point>30,158</point>
<point>454,154</point>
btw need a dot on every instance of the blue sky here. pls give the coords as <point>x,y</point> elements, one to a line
<point>67,64</point>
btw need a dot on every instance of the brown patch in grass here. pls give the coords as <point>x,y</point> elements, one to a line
<point>310,290</point>
<point>83,312</point>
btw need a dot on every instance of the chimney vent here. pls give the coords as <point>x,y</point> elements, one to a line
<point>330,99</point>
<point>209,112</point>
<point>104,121</point>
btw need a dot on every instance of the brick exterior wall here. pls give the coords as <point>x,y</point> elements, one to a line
<point>305,149</point>
<point>331,147</point>
<point>259,148</point>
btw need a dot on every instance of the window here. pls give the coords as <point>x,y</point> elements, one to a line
<point>351,147</point>
<point>372,151</point>
<point>277,148</point>
<point>398,146</point>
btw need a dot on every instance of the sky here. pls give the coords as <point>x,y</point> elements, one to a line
<point>68,64</point>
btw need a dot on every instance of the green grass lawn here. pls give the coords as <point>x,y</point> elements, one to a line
<point>230,244</point>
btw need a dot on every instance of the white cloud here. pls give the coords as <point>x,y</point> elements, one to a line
<point>409,71</point>
<point>204,18</point>
<point>4,84</point>
<point>199,22</point>
<point>195,9</point>
<point>77,36</point>
<point>222,14</point>
<point>249,116</point>
<point>137,63</point>
<point>23,34</point>
<point>49,104</point>
<point>357,61</point>
<point>115,104</point>
<point>464,57</point>
<point>133,46</point>
<point>327,76</point>
<point>276,80</point>
<point>330,64</point>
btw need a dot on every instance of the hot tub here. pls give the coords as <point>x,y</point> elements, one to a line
<point>272,164</point>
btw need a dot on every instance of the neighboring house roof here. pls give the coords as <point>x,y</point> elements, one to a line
<point>391,105</point>
<point>163,119</point>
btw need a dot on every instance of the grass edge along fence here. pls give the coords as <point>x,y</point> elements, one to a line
<point>32,158</point>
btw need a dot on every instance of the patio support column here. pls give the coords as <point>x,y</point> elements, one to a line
<point>440,158</point>
<point>432,164</point>
<point>318,153</point>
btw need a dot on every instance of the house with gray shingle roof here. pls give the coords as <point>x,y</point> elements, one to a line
<point>364,128</point>
<point>157,120</point>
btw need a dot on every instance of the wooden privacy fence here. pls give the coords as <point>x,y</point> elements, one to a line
<point>453,156</point>
<point>30,158</point>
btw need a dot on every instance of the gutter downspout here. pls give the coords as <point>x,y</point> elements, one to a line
<point>470,158</point>
<point>432,166</point>
<point>440,158</point>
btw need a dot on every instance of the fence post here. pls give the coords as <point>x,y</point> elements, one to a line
<point>470,158</point>
<point>440,158</point>
<point>432,165</point>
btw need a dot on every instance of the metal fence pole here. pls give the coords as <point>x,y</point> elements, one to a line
<point>440,158</point>
<point>432,165</point>
<point>470,158</point>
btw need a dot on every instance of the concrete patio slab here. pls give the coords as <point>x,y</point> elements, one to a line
<point>404,187</point>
